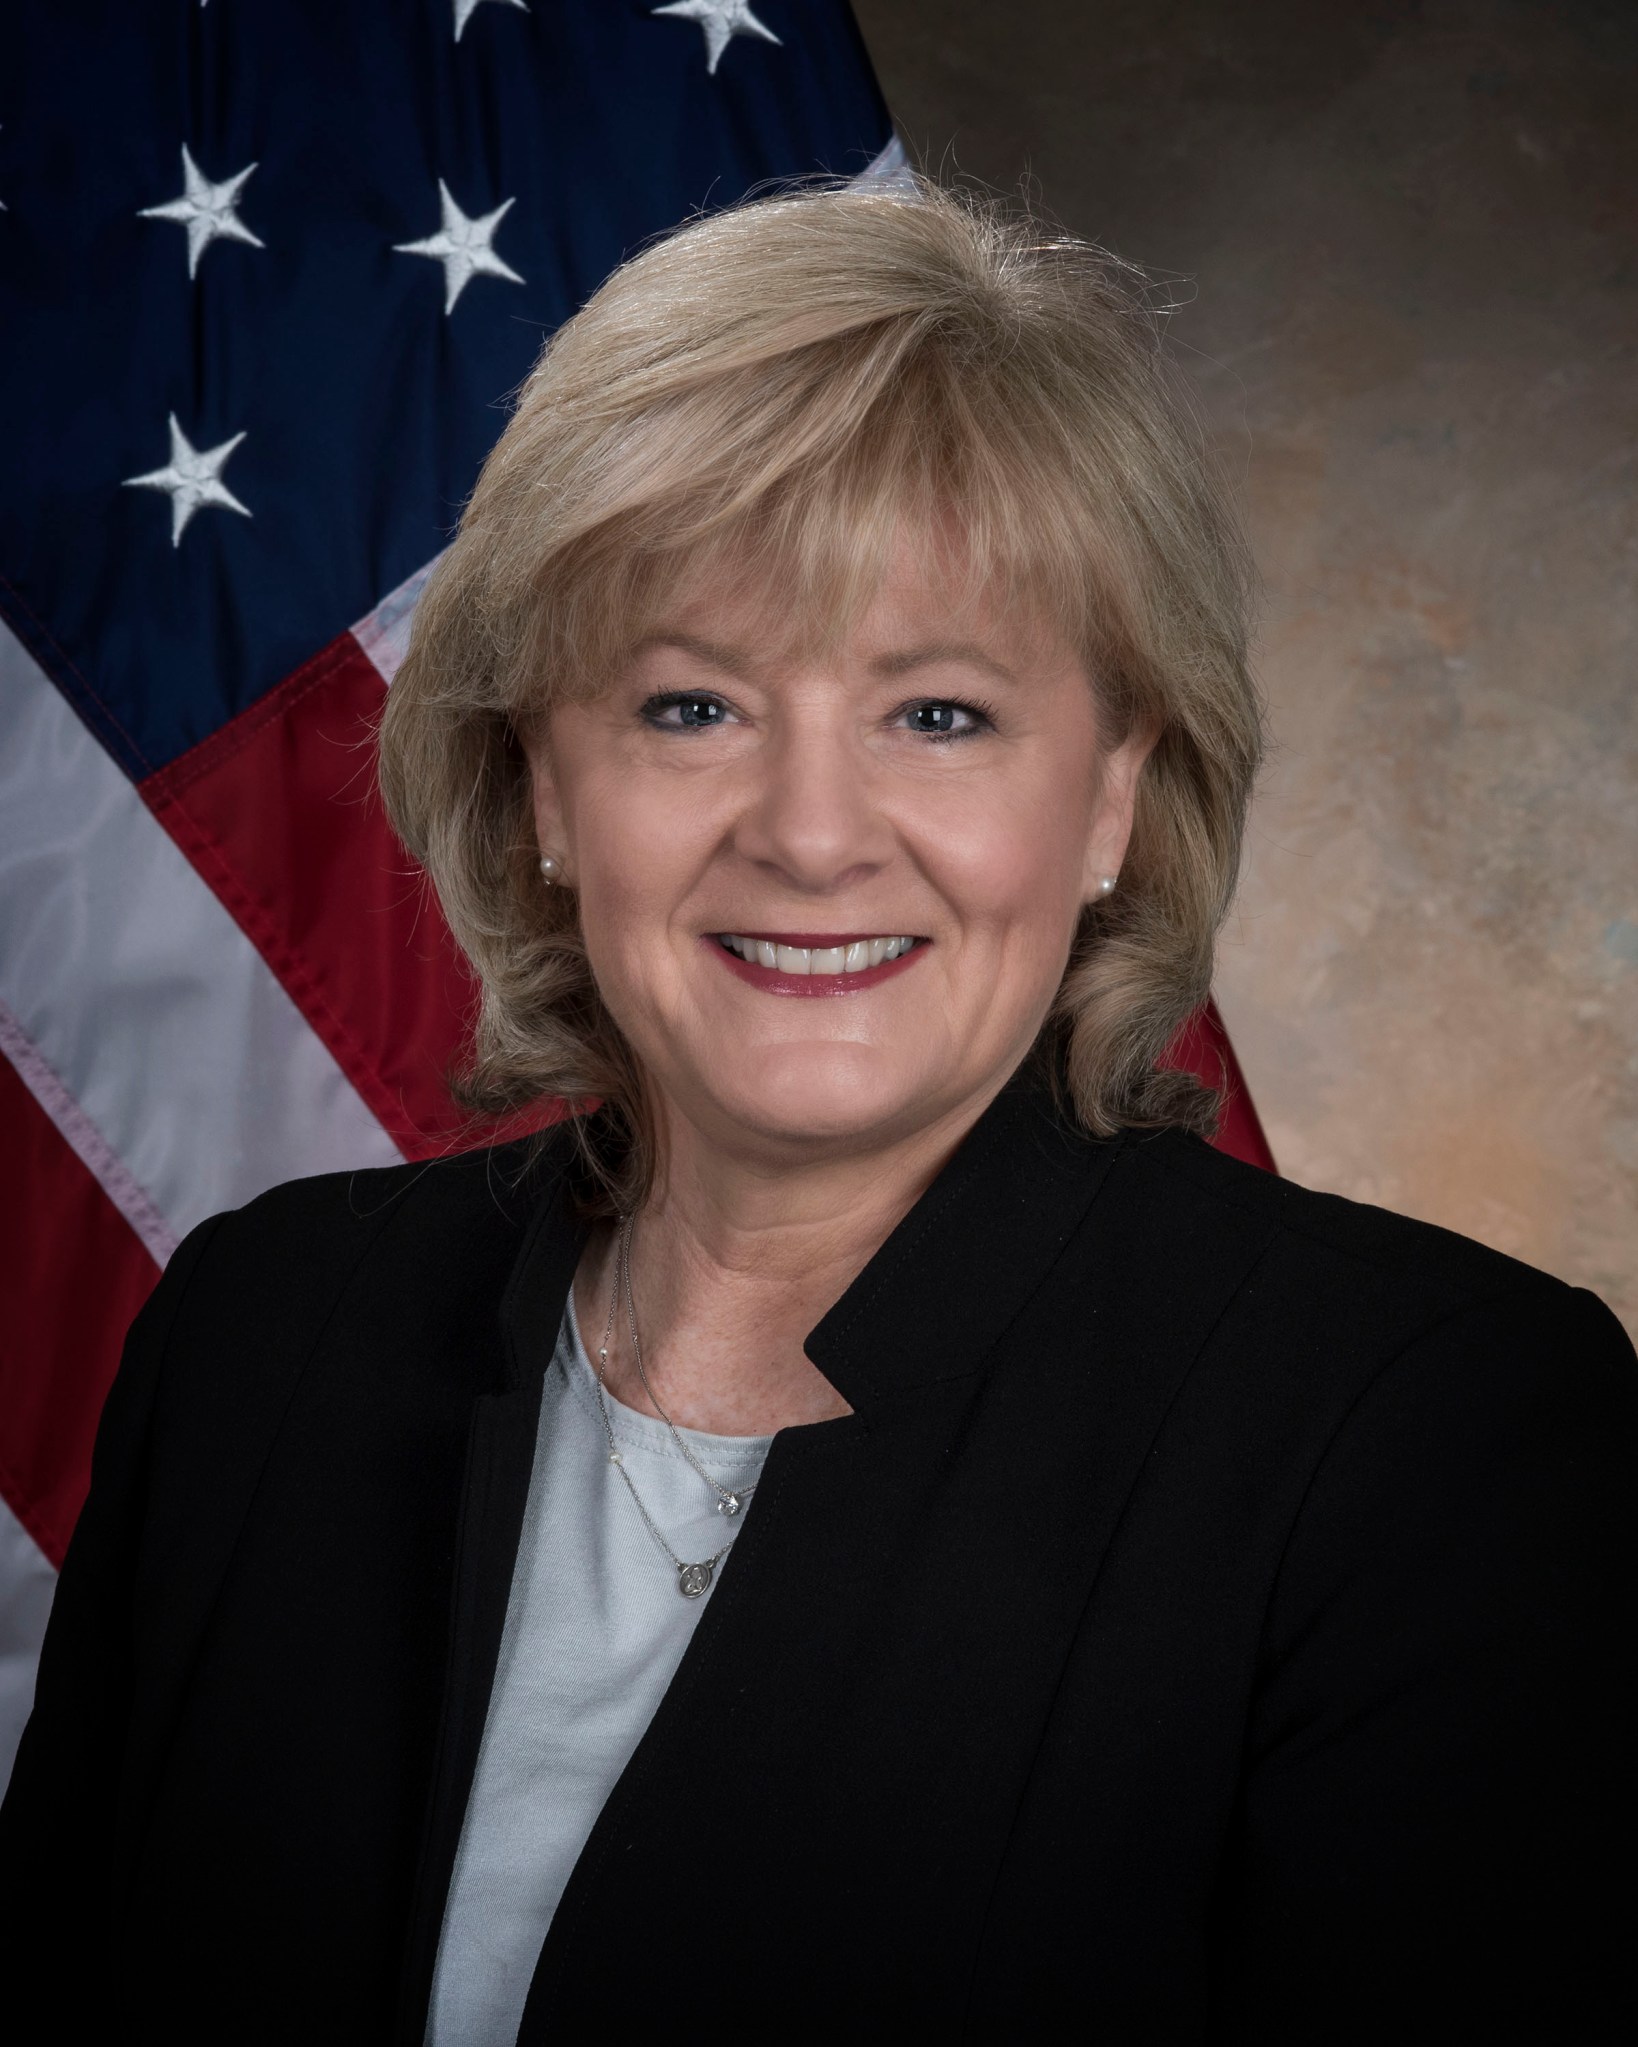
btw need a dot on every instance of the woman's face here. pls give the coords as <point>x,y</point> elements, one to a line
<point>754,837</point>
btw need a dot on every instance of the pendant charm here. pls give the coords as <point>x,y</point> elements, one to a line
<point>729,1506</point>
<point>694,1580</point>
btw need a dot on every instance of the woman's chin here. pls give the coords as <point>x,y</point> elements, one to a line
<point>826,1097</point>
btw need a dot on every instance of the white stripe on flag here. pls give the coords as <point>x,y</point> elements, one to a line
<point>85,1140</point>
<point>27,1582</point>
<point>890,165</point>
<point>384,634</point>
<point>142,995</point>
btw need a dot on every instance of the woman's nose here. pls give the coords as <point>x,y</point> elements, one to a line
<point>814,811</point>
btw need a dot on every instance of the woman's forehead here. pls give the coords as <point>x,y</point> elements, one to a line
<point>925,603</point>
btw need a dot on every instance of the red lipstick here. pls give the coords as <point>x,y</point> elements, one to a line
<point>772,982</point>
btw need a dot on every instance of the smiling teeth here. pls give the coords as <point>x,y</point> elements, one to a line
<point>824,959</point>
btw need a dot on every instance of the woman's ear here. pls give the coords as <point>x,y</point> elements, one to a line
<point>551,825</point>
<point>1112,814</point>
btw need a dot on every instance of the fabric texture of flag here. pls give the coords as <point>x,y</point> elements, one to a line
<point>268,277</point>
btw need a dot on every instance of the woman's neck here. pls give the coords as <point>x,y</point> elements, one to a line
<point>733,1263</point>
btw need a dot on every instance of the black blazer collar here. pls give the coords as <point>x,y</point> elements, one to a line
<point>1005,1205</point>
<point>537,1291</point>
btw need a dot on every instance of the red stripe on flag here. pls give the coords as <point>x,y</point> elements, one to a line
<point>279,814</point>
<point>1202,1047</point>
<point>73,1274</point>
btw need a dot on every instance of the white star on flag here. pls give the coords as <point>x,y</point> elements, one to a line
<point>464,10</point>
<point>207,211</point>
<point>721,20</point>
<point>193,476</point>
<point>463,247</point>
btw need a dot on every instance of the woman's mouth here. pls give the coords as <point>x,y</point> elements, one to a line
<point>815,963</point>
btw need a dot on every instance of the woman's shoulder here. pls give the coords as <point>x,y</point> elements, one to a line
<point>1354,1267</point>
<point>1417,1394</point>
<point>404,1235</point>
<point>494,1187</point>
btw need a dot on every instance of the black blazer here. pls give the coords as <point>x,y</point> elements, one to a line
<point>1213,1623</point>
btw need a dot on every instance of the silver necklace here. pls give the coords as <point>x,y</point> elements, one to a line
<point>693,1579</point>
<point>727,1503</point>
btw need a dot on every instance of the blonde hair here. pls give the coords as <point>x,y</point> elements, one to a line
<point>782,389</point>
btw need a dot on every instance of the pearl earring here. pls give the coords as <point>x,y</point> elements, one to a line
<point>1106,884</point>
<point>551,868</point>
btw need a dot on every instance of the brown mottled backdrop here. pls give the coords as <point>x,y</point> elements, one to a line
<point>1413,233</point>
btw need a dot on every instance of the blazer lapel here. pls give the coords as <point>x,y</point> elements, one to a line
<point>857,1710</point>
<point>500,1459</point>
<point>932,1302</point>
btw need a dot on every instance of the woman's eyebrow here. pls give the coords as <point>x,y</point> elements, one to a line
<point>729,659</point>
<point>934,653</point>
<point>901,661</point>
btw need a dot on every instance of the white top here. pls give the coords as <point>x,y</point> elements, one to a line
<point>595,1629</point>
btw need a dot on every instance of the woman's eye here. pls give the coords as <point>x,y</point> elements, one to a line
<point>684,711</point>
<point>941,720</point>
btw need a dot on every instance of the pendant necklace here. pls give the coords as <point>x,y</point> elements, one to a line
<point>693,1579</point>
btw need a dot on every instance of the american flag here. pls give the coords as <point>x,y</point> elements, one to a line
<point>268,277</point>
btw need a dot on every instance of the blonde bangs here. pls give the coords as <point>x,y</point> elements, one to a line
<point>802,503</point>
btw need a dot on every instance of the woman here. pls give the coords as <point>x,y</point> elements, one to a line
<point>879,1521</point>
